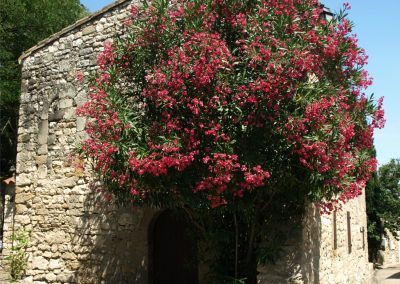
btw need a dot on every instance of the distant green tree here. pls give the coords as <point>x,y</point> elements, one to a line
<point>383,204</point>
<point>375,229</point>
<point>23,23</point>
<point>389,195</point>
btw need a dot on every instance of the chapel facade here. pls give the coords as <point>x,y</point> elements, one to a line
<point>76,237</point>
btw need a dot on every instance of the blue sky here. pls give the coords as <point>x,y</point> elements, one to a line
<point>377,26</point>
<point>94,5</point>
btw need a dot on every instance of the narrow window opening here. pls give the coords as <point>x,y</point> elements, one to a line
<point>349,232</point>
<point>363,237</point>
<point>334,231</point>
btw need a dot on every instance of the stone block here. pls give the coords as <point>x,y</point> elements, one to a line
<point>54,264</point>
<point>22,219</point>
<point>40,262</point>
<point>24,155</point>
<point>42,171</point>
<point>43,131</point>
<point>65,277</point>
<point>89,30</point>
<point>66,103</point>
<point>48,57</point>
<point>69,113</point>
<point>69,256</point>
<point>36,200</point>
<point>42,211</point>
<point>43,246</point>
<point>86,51</point>
<point>80,124</point>
<point>51,139</point>
<point>24,138</point>
<point>67,182</point>
<point>64,65</point>
<point>42,150</point>
<point>125,219</point>
<point>21,208</point>
<point>51,277</point>
<point>74,212</point>
<point>105,226</point>
<point>28,280</point>
<point>57,237</point>
<point>23,197</point>
<point>24,179</point>
<point>41,160</point>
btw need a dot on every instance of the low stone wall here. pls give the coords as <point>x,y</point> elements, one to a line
<point>390,252</point>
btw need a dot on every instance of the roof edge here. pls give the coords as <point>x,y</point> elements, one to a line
<point>69,28</point>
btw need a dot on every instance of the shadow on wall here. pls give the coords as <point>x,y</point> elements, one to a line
<point>7,211</point>
<point>110,243</point>
<point>311,245</point>
<point>301,254</point>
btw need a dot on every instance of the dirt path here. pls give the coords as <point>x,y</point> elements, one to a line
<point>389,274</point>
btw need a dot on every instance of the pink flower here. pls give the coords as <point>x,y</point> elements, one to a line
<point>134,10</point>
<point>79,76</point>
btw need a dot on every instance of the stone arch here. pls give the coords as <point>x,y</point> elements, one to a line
<point>173,252</point>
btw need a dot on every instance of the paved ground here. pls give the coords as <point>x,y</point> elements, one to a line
<point>389,274</point>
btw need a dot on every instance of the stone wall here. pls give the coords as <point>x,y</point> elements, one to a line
<point>390,249</point>
<point>317,254</point>
<point>74,236</point>
<point>343,264</point>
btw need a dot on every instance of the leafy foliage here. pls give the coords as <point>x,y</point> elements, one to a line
<point>383,205</point>
<point>18,257</point>
<point>22,24</point>
<point>247,107</point>
<point>389,195</point>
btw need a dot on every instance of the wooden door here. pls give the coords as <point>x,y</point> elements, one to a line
<point>174,255</point>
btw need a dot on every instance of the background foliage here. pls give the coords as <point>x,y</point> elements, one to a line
<point>18,257</point>
<point>383,205</point>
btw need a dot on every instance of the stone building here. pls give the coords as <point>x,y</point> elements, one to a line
<point>74,238</point>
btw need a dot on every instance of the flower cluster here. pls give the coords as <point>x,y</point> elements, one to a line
<point>221,98</point>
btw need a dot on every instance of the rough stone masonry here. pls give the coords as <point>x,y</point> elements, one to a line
<point>74,237</point>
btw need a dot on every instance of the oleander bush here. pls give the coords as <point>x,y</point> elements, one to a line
<point>237,112</point>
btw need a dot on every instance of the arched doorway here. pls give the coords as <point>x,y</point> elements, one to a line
<point>173,254</point>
